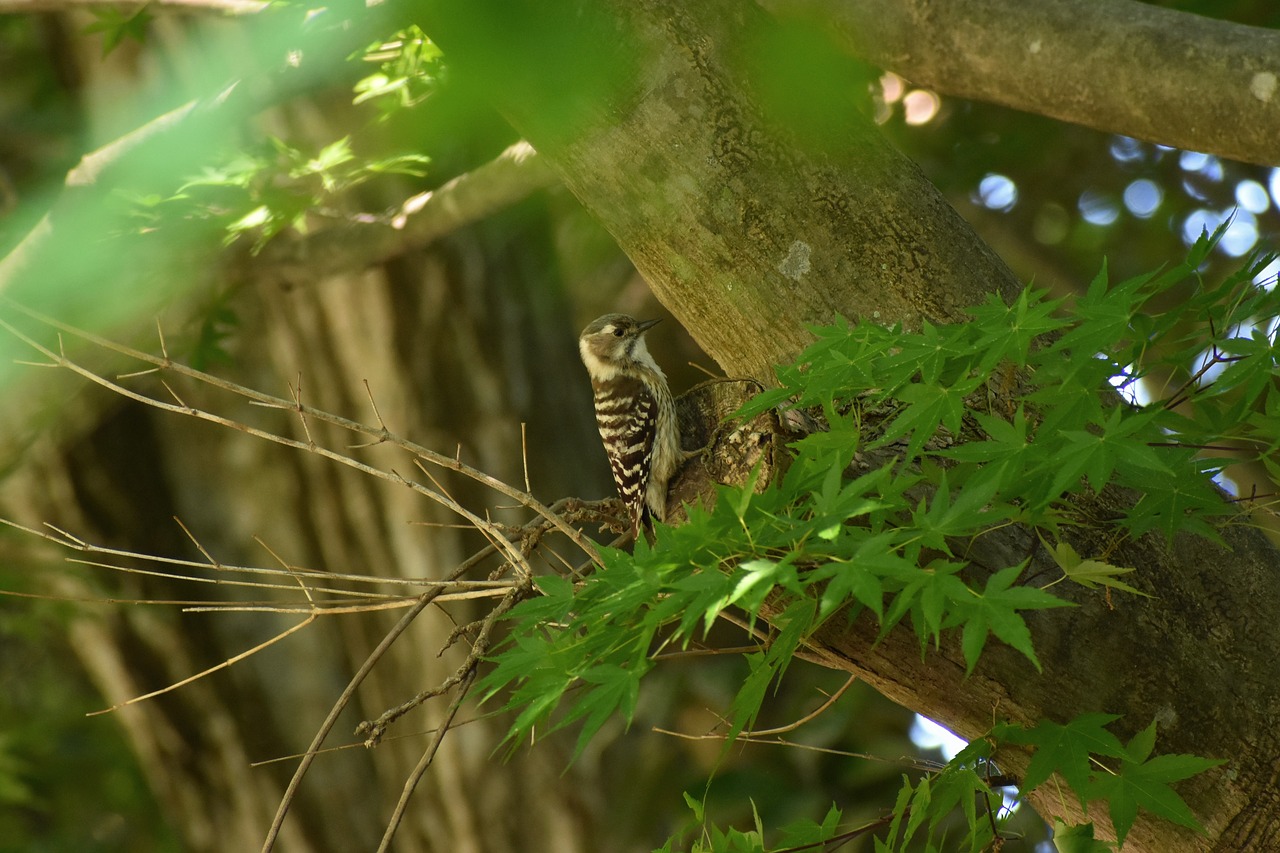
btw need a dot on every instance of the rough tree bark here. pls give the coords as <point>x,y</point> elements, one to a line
<point>747,233</point>
<point>723,213</point>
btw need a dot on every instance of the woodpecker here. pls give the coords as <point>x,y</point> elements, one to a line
<point>635,413</point>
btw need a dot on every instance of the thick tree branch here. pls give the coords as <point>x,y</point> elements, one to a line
<point>506,179</point>
<point>1122,67</point>
<point>85,175</point>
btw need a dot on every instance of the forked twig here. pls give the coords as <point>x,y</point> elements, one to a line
<point>308,445</point>
<point>378,433</point>
<point>67,540</point>
<point>277,759</point>
<point>423,763</point>
<point>338,707</point>
<point>373,731</point>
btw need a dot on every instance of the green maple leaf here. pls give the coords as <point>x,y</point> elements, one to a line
<point>116,26</point>
<point>1090,573</point>
<point>926,407</point>
<point>995,611</point>
<point>1078,839</point>
<point>615,689</point>
<point>1146,784</point>
<point>1066,749</point>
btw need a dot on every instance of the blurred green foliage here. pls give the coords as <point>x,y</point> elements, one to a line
<point>66,782</point>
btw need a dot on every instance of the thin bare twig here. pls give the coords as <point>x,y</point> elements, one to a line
<point>360,744</point>
<point>524,457</point>
<point>67,540</point>
<point>335,609</point>
<point>338,707</point>
<point>490,531</point>
<point>382,425</point>
<point>761,733</point>
<point>923,765</point>
<point>242,584</point>
<point>305,589</point>
<point>702,653</point>
<point>423,763</point>
<point>110,602</point>
<point>194,541</point>
<point>344,699</point>
<point>373,730</point>
<point>226,663</point>
<point>423,453</point>
<point>310,446</point>
<point>512,544</point>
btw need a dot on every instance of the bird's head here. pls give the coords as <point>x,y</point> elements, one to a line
<point>614,344</point>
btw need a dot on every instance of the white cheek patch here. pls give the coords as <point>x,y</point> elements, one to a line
<point>598,369</point>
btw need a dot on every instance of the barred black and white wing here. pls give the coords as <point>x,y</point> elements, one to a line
<point>627,415</point>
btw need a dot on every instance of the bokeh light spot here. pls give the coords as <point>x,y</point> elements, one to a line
<point>1129,386</point>
<point>1189,187</point>
<point>1192,161</point>
<point>1252,196</point>
<point>892,87</point>
<point>926,734</point>
<point>1205,165</point>
<point>1198,222</point>
<point>920,106</point>
<point>1143,197</point>
<point>1098,208</point>
<point>996,192</point>
<point>1126,149</point>
<point>1266,277</point>
<point>1241,235</point>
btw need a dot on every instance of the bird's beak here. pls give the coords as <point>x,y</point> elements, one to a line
<point>646,325</point>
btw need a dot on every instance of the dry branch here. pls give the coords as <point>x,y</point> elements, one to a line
<point>380,434</point>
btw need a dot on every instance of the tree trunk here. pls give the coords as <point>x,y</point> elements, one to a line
<point>748,229</point>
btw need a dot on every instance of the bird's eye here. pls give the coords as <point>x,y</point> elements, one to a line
<point>617,333</point>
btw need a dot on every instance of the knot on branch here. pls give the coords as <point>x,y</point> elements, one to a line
<point>730,448</point>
